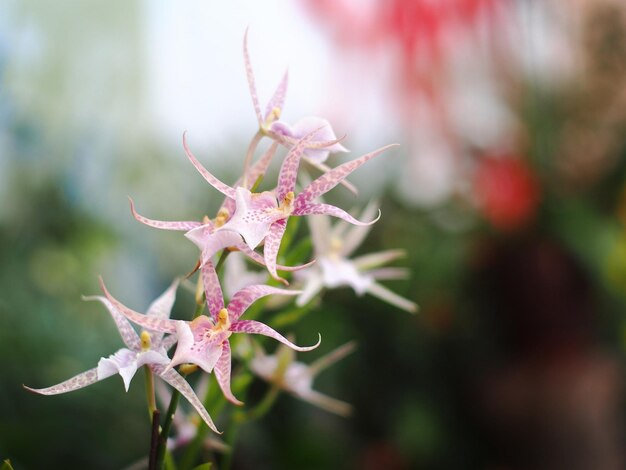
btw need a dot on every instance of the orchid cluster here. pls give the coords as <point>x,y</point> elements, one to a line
<point>246,221</point>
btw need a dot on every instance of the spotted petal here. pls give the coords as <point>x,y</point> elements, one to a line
<point>329,180</point>
<point>164,225</point>
<point>272,245</point>
<point>212,290</point>
<point>289,169</point>
<point>248,295</point>
<point>251,81</point>
<point>179,383</point>
<point>322,131</point>
<point>254,214</point>
<point>78,381</point>
<point>149,322</point>
<point>195,346</point>
<point>212,180</point>
<point>307,208</point>
<point>258,328</point>
<point>222,374</point>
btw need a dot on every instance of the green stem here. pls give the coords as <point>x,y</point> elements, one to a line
<point>154,441</point>
<point>150,391</point>
<point>165,430</point>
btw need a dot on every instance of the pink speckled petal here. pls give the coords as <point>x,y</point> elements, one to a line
<point>305,208</point>
<point>195,346</point>
<point>256,257</point>
<point>222,374</point>
<point>322,132</point>
<point>212,290</point>
<point>179,383</point>
<point>254,214</point>
<point>248,295</point>
<point>212,180</point>
<point>289,169</point>
<point>272,245</point>
<point>325,169</point>
<point>258,328</point>
<point>278,98</point>
<point>164,225</point>
<point>151,323</point>
<point>251,82</point>
<point>78,381</point>
<point>210,241</point>
<point>329,180</point>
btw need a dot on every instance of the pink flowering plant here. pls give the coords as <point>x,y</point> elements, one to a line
<point>223,331</point>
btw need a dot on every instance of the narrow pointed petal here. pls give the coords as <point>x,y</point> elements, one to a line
<point>373,260</point>
<point>289,169</point>
<point>127,332</point>
<point>325,169</point>
<point>258,328</point>
<point>251,82</point>
<point>312,286</point>
<point>78,381</point>
<point>222,374</point>
<point>306,208</point>
<point>256,257</point>
<point>162,224</point>
<point>278,98</point>
<point>389,274</point>
<point>179,383</point>
<point>325,402</point>
<point>329,180</point>
<point>272,245</point>
<point>151,323</point>
<point>355,236</point>
<point>380,291</point>
<point>212,290</point>
<point>329,359</point>
<point>212,180</point>
<point>248,295</point>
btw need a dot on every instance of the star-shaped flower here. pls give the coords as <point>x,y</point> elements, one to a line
<point>295,377</point>
<point>204,340</point>
<point>323,141</point>
<point>263,216</point>
<point>333,247</point>
<point>207,234</point>
<point>148,349</point>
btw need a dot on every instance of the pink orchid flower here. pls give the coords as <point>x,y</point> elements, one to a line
<point>324,139</point>
<point>333,247</point>
<point>204,340</point>
<point>263,216</point>
<point>148,349</point>
<point>207,234</point>
<point>282,370</point>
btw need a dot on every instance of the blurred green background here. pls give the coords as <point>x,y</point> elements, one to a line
<point>516,243</point>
